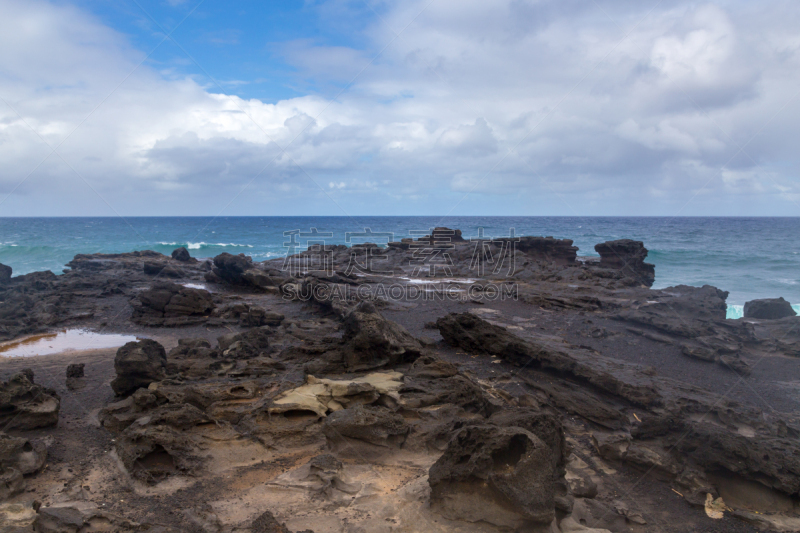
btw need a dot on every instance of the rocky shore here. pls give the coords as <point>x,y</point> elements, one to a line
<point>430,385</point>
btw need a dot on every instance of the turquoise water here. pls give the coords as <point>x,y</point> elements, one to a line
<point>749,257</point>
<point>737,311</point>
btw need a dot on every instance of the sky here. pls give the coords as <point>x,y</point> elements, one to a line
<point>372,107</point>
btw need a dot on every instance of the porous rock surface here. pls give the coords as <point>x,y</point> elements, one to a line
<point>302,394</point>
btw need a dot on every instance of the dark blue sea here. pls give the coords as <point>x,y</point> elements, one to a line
<point>749,257</point>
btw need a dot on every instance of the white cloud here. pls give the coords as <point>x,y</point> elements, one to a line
<point>512,100</point>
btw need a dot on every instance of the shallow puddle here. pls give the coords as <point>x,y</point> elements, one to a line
<point>68,340</point>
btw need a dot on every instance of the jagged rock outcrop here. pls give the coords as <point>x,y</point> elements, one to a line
<point>505,476</point>
<point>681,310</point>
<point>548,249</point>
<point>137,365</point>
<point>240,270</point>
<point>369,342</point>
<point>372,342</point>
<point>182,254</point>
<point>606,392</point>
<point>26,405</point>
<point>768,308</point>
<point>627,256</point>
<point>169,304</point>
<point>5,274</point>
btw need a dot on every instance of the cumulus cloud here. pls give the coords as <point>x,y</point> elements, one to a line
<point>484,107</point>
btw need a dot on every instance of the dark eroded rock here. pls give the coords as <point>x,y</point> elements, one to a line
<point>75,370</point>
<point>628,257</point>
<point>170,304</point>
<point>5,274</point>
<point>26,405</point>
<point>137,365</point>
<point>181,254</point>
<point>768,308</point>
<point>267,523</point>
<point>503,476</point>
<point>374,425</point>
<point>371,341</point>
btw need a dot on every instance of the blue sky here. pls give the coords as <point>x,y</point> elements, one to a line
<point>242,46</point>
<point>416,107</point>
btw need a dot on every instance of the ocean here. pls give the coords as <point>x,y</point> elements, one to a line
<point>749,257</point>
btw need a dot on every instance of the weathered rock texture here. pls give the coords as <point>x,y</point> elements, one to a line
<point>137,365</point>
<point>768,308</point>
<point>627,256</point>
<point>26,405</point>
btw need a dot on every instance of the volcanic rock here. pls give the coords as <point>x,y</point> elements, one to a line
<point>768,308</point>
<point>137,365</point>
<point>170,304</point>
<point>374,425</point>
<point>371,341</point>
<point>181,254</point>
<point>266,523</point>
<point>246,345</point>
<point>558,251</point>
<point>18,457</point>
<point>75,370</point>
<point>627,256</point>
<point>503,476</point>
<point>602,390</point>
<point>230,268</point>
<point>5,274</point>
<point>83,516</point>
<point>26,405</point>
<point>162,270</point>
<point>24,455</point>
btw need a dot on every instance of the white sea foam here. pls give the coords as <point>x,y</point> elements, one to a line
<point>199,245</point>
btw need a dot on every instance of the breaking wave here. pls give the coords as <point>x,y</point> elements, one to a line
<point>205,245</point>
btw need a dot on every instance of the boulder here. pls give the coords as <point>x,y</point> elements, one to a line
<point>75,370</point>
<point>181,254</point>
<point>229,268</point>
<point>170,304</point>
<point>768,308</point>
<point>137,365</point>
<point>26,405</point>
<point>627,256</point>
<point>502,476</point>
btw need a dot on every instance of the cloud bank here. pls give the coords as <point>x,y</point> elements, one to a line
<point>455,107</point>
